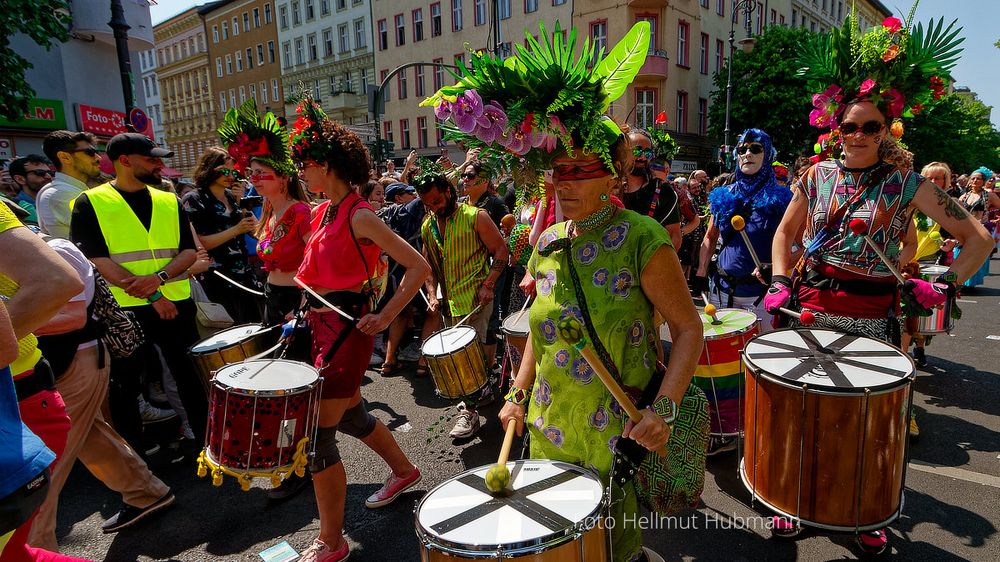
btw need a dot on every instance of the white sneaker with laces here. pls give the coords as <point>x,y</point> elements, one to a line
<point>152,414</point>
<point>467,423</point>
<point>410,352</point>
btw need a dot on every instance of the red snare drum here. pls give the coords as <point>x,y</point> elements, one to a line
<point>262,415</point>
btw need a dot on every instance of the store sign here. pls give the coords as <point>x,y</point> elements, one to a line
<point>41,114</point>
<point>683,166</point>
<point>104,122</point>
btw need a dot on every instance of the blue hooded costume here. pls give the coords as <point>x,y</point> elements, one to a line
<point>761,202</point>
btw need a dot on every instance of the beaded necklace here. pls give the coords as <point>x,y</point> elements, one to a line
<point>596,220</point>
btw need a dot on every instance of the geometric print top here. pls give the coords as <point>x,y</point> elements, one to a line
<point>885,208</point>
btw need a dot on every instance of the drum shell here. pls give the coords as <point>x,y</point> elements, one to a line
<point>939,322</point>
<point>720,375</point>
<point>206,363</point>
<point>516,340</point>
<point>589,547</point>
<point>459,373</point>
<point>852,448</point>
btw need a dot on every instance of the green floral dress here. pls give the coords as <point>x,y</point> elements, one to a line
<point>572,417</point>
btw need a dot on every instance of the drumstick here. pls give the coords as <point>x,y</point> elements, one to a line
<point>860,228</point>
<point>711,311</point>
<point>498,476</point>
<point>571,330</point>
<point>739,224</point>
<point>322,300</point>
<point>265,353</point>
<point>523,308</point>
<point>806,316</point>
<point>424,296</point>
<point>231,282</point>
<point>462,321</point>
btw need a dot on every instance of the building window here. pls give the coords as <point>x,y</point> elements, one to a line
<point>236,26</point>
<point>364,81</point>
<point>719,57</point>
<point>239,61</point>
<point>267,13</point>
<point>310,10</point>
<point>404,133</point>
<point>229,64</point>
<point>383,35</point>
<point>215,34</point>
<point>530,6</point>
<point>720,7</point>
<point>263,92</point>
<point>300,57</point>
<point>418,25</point>
<point>324,7</point>
<point>703,54</point>
<point>246,22</point>
<point>348,83</point>
<point>387,130</point>
<point>702,116</point>
<point>704,3</point>
<point>418,81</point>
<point>435,19</point>
<point>260,54</point>
<point>421,132</point>
<point>503,6</point>
<point>275,94</point>
<point>232,97</point>
<point>253,92</point>
<point>653,25</point>
<point>599,35</point>
<point>334,90</point>
<point>283,17</point>
<point>256,18</point>
<point>439,135</point>
<point>270,52</point>
<point>360,38</point>
<point>401,85</point>
<point>774,17</point>
<point>225,30</point>
<point>222,101</point>
<point>327,42</point>
<point>438,75</point>
<point>682,112</point>
<point>683,29</point>
<point>218,67</point>
<point>385,91</point>
<point>400,30</point>
<point>558,2</point>
<point>249,58</point>
<point>456,15</point>
<point>645,107</point>
<point>341,5</point>
<point>343,38</point>
<point>296,14</point>
<point>479,12</point>
<point>286,51</point>
<point>313,48</point>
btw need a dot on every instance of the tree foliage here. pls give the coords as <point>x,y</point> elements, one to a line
<point>46,22</point>
<point>957,131</point>
<point>767,93</point>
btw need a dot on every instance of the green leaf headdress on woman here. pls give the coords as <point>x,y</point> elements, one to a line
<point>529,105</point>
<point>248,136</point>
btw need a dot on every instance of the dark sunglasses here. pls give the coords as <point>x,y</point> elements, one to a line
<point>470,175</point>
<point>868,128</point>
<point>229,173</point>
<point>89,151</point>
<point>43,173</point>
<point>639,152</point>
<point>754,148</point>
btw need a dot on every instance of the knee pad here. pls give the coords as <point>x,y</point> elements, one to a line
<point>325,452</point>
<point>357,422</point>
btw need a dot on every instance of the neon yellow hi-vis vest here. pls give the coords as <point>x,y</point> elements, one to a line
<point>131,246</point>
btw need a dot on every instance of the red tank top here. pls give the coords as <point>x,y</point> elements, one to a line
<point>332,260</point>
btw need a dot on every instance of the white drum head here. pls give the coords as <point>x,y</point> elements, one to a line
<point>931,272</point>
<point>549,500</point>
<point>448,341</point>
<point>266,375</point>
<point>227,337</point>
<point>731,321</point>
<point>830,360</point>
<point>516,324</point>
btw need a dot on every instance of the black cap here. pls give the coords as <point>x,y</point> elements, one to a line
<point>134,143</point>
<point>398,188</point>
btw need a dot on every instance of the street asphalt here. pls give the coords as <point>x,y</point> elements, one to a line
<point>952,497</point>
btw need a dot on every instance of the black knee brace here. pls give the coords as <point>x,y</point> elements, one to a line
<point>325,453</point>
<point>357,422</point>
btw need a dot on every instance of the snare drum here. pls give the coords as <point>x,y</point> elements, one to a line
<point>515,328</point>
<point>228,346</point>
<point>940,320</point>
<point>720,370</point>
<point>826,427</point>
<point>456,361</point>
<point>553,514</point>
<point>262,415</point>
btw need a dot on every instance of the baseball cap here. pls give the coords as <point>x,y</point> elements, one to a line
<point>398,188</point>
<point>135,143</point>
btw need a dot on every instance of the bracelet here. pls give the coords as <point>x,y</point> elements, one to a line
<point>154,297</point>
<point>517,396</point>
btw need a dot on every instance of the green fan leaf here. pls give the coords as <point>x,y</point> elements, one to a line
<point>620,66</point>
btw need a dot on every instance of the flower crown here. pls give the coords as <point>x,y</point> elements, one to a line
<point>247,136</point>
<point>307,132</point>
<point>664,145</point>
<point>545,96</point>
<point>899,68</point>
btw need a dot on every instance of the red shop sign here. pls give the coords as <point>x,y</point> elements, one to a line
<point>104,122</point>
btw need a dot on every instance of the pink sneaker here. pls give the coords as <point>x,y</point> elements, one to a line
<point>873,542</point>
<point>321,552</point>
<point>393,487</point>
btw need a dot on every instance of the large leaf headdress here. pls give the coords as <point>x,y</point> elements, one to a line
<point>544,97</point>
<point>248,136</point>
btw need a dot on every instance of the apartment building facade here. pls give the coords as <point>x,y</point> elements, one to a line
<point>150,86</point>
<point>821,15</point>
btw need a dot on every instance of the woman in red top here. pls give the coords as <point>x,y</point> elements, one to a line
<point>340,259</point>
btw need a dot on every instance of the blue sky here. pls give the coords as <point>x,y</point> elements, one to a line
<point>978,69</point>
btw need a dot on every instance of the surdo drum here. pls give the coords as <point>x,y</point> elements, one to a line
<point>826,427</point>
<point>516,329</point>
<point>720,370</point>
<point>553,513</point>
<point>456,361</point>
<point>229,346</point>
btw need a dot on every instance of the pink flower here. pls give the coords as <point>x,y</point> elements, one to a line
<point>549,138</point>
<point>827,106</point>
<point>466,111</point>
<point>895,102</point>
<point>518,141</point>
<point>443,110</point>
<point>892,24</point>
<point>866,87</point>
<point>491,123</point>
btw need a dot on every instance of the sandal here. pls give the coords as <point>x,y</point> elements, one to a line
<point>390,368</point>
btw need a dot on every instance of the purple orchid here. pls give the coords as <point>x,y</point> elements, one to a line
<point>443,110</point>
<point>827,106</point>
<point>467,110</point>
<point>491,123</point>
<point>518,141</point>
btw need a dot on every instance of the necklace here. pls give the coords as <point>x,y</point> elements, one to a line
<point>595,220</point>
<point>331,211</point>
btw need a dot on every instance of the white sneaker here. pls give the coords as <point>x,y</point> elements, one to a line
<point>467,424</point>
<point>152,414</point>
<point>410,353</point>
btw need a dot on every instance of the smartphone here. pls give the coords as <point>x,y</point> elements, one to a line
<point>251,202</point>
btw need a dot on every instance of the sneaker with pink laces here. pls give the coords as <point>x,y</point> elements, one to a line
<point>393,487</point>
<point>319,551</point>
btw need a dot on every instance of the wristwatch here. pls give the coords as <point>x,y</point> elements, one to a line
<point>164,277</point>
<point>666,408</point>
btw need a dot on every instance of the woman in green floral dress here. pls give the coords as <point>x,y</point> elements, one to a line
<point>628,271</point>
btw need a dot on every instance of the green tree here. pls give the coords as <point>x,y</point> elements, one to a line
<point>958,131</point>
<point>767,93</point>
<point>46,22</point>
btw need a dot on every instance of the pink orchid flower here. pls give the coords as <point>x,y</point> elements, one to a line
<point>466,111</point>
<point>491,123</point>
<point>895,102</point>
<point>827,106</point>
<point>866,87</point>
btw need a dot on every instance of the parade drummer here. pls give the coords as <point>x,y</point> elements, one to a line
<point>840,276</point>
<point>340,263</point>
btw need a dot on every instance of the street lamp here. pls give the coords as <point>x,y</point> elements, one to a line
<point>747,45</point>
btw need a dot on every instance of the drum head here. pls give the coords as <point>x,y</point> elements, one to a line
<point>448,340</point>
<point>227,337</point>
<point>549,500</point>
<point>264,376</point>
<point>931,272</point>
<point>731,321</point>
<point>832,361</point>
<point>516,324</point>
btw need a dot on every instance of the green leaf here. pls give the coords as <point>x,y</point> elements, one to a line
<point>618,69</point>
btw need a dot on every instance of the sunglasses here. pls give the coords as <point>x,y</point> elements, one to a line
<point>43,173</point>
<point>262,177</point>
<point>89,151</point>
<point>640,152</point>
<point>229,173</point>
<point>470,175</point>
<point>868,128</point>
<point>754,148</point>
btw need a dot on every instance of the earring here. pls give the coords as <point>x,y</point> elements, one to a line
<point>604,197</point>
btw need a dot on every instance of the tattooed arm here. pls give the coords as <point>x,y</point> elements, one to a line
<point>976,242</point>
<point>789,231</point>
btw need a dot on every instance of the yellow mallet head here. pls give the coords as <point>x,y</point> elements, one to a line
<point>710,310</point>
<point>738,222</point>
<point>497,478</point>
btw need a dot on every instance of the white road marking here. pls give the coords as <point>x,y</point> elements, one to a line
<point>957,473</point>
<point>965,301</point>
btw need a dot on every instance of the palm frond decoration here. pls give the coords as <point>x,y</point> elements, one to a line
<point>247,136</point>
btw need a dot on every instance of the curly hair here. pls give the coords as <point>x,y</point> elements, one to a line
<point>207,171</point>
<point>346,155</point>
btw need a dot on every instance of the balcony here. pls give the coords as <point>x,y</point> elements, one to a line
<point>91,18</point>
<point>345,101</point>
<point>655,65</point>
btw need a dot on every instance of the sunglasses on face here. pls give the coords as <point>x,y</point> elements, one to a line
<point>640,152</point>
<point>470,175</point>
<point>42,173</point>
<point>89,151</point>
<point>229,172</point>
<point>867,128</point>
<point>754,148</point>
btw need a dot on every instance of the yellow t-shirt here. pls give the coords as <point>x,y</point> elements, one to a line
<point>28,353</point>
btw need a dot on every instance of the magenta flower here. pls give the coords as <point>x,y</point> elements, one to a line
<point>892,24</point>
<point>549,139</point>
<point>827,106</point>
<point>866,87</point>
<point>895,102</point>
<point>467,110</point>
<point>491,123</point>
<point>443,110</point>
<point>518,141</point>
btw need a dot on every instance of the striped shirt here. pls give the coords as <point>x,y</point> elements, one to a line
<point>459,258</point>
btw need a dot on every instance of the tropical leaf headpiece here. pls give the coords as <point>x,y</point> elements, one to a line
<point>543,98</point>
<point>900,68</point>
<point>307,132</point>
<point>248,136</point>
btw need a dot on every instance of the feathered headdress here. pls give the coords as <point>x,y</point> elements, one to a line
<point>248,136</point>
<point>307,132</point>
<point>901,69</point>
<point>545,96</point>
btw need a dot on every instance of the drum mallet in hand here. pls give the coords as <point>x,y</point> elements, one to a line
<point>739,225</point>
<point>571,330</point>
<point>710,311</point>
<point>498,477</point>
<point>860,228</point>
<point>806,316</point>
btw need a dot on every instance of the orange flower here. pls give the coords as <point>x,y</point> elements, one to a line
<point>891,53</point>
<point>897,129</point>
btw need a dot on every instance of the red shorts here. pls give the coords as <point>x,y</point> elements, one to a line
<point>342,373</point>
